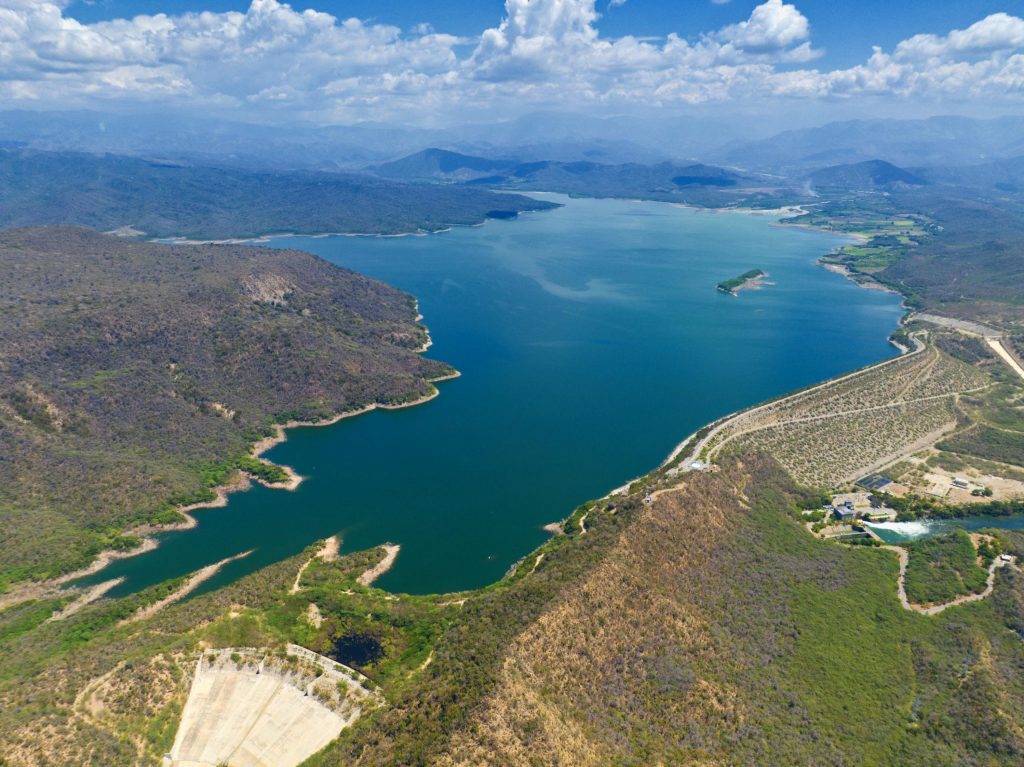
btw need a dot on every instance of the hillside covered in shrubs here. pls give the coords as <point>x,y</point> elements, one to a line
<point>135,376</point>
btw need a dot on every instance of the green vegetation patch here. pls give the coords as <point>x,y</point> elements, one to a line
<point>267,472</point>
<point>733,284</point>
<point>987,442</point>
<point>943,568</point>
<point>969,349</point>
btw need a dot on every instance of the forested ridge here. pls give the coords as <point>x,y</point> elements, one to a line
<point>134,376</point>
<point>163,199</point>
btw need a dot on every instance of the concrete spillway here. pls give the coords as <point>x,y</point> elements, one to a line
<point>247,710</point>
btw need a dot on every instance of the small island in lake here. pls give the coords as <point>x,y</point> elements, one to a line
<point>751,279</point>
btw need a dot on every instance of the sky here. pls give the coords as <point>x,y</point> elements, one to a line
<point>442,62</point>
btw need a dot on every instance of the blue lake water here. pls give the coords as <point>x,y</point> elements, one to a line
<point>591,340</point>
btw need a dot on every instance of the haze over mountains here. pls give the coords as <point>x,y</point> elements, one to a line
<point>870,174</point>
<point>110,172</point>
<point>171,199</point>
<point>935,141</point>
<point>562,137</point>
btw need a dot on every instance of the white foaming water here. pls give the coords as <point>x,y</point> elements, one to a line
<point>907,530</point>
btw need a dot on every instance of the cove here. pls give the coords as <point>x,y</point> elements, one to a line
<point>591,339</point>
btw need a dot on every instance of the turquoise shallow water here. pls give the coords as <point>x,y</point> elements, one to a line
<point>591,340</point>
<point>903,532</point>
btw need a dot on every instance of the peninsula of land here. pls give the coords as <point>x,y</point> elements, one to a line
<point>119,408</point>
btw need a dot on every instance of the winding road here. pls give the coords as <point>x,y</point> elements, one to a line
<point>994,338</point>
<point>936,609</point>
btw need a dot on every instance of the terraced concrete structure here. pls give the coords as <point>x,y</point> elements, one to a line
<point>248,708</point>
<point>846,428</point>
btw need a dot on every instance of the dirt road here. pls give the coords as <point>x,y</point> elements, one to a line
<point>936,609</point>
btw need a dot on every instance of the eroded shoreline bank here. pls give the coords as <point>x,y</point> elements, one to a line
<point>26,590</point>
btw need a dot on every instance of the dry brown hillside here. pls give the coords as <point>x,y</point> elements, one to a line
<point>716,632</point>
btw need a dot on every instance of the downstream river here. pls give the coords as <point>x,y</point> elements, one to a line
<point>905,532</point>
<point>591,339</point>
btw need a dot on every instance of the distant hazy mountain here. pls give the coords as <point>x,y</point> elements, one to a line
<point>570,137</point>
<point>163,198</point>
<point>660,181</point>
<point>1001,176</point>
<point>565,137</point>
<point>557,136</point>
<point>304,146</point>
<point>213,141</point>
<point>935,141</point>
<point>443,165</point>
<point>867,175</point>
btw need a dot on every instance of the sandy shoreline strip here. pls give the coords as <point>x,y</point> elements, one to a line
<point>390,554</point>
<point>26,590</point>
<point>327,553</point>
<point>280,430</point>
<point>860,280</point>
<point>262,239</point>
<point>754,283</point>
<point>194,581</point>
<point>90,596</point>
<point>855,236</point>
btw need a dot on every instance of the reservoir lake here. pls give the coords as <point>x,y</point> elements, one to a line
<point>591,340</point>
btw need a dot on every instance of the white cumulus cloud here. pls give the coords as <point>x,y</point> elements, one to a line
<point>542,53</point>
<point>998,32</point>
<point>772,26</point>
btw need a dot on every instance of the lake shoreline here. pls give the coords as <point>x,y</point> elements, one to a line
<point>281,429</point>
<point>701,436</point>
<point>260,448</point>
<point>263,239</point>
<point>26,590</point>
